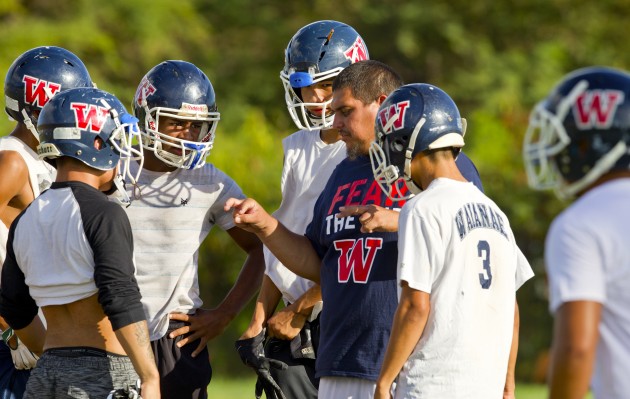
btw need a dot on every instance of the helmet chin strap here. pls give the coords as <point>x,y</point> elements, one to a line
<point>29,124</point>
<point>122,197</point>
<point>415,189</point>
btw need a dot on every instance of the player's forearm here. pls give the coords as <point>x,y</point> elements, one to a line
<point>568,379</point>
<point>569,373</point>
<point>247,284</point>
<point>33,336</point>
<point>304,305</point>
<point>294,251</point>
<point>267,301</point>
<point>573,350</point>
<point>134,338</point>
<point>409,322</point>
<point>510,381</point>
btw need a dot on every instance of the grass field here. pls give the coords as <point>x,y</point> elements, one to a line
<point>244,389</point>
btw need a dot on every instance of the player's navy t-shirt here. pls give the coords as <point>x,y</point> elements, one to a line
<point>358,274</point>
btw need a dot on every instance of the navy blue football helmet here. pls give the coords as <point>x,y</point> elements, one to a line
<point>580,131</point>
<point>72,120</point>
<point>36,76</point>
<point>317,52</point>
<point>179,90</point>
<point>414,118</point>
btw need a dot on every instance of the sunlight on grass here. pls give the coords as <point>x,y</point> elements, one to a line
<point>221,388</point>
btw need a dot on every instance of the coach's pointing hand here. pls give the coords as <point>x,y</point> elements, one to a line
<point>373,218</point>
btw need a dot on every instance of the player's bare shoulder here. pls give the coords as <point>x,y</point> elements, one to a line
<point>14,191</point>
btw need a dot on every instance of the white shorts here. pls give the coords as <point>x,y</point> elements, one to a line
<point>345,388</point>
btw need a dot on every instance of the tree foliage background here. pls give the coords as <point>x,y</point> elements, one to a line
<point>495,58</point>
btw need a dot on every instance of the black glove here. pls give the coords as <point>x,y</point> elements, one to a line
<point>302,344</point>
<point>252,354</point>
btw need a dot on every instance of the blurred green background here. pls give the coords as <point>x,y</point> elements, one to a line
<point>496,58</point>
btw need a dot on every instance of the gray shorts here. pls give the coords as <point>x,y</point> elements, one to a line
<point>79,372</point>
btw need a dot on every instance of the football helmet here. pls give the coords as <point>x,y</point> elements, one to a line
<point>72,120</point>
<point>579,132</point>
<point>36,76</point>
<point>181,91</point>
<point>317,52</point>
<point>414,118</point>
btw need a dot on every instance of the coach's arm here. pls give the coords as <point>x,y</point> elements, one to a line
<point>292,250</point>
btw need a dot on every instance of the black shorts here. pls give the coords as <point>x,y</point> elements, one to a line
<point>181,375</point>
<point>298,380</point>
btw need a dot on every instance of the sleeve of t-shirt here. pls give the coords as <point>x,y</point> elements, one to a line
<point>109,233</point>
<point>574,270</point>
<point>523,270</point>
<point>17,306</point>
<point>230,189</point>
<point>420,251</point>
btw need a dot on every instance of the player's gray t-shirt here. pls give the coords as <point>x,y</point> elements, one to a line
<point>170,219</point>
<point>308,164</point>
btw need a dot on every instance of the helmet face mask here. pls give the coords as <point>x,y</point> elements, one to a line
<point>414,118</point>
<point>177,91</point>
<point>36,76</point>
<point>75,119</point>
<point>580,132</point>
<point>317,52</point>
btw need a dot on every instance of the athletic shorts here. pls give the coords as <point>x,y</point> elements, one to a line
<point>181,375</point>
<point>79,372</point>
<point>346,388</point>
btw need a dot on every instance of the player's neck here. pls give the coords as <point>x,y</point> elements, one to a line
<point>70,169</point>
<point>154,164</point>
<point>428,170</point>
<point>329,136</point>
<point>22,133</point>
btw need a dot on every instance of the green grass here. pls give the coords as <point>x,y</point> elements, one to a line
<point>221,388</point>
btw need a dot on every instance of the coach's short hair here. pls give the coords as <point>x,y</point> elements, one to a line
<point>368,80</point>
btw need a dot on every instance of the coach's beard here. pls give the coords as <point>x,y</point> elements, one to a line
<point>355,150</point>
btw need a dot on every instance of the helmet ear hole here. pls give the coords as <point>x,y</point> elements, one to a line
<point>98,143</point>
<point>399,144</point>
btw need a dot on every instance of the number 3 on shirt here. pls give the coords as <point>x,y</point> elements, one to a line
<point>483,250</point>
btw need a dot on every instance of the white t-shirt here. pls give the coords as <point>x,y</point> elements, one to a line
<point>170,220</point>
<point>40,173</point>
<point>457,245</point>
<point>308,163</point>
<point>587,255</point>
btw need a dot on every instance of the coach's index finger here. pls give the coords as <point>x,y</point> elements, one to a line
<point>352,210</point>
<point>232,203</point>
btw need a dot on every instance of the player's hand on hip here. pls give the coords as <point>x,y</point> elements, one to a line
<point>373,218</point>
<point>285,324</point>
<point>204,325</point>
